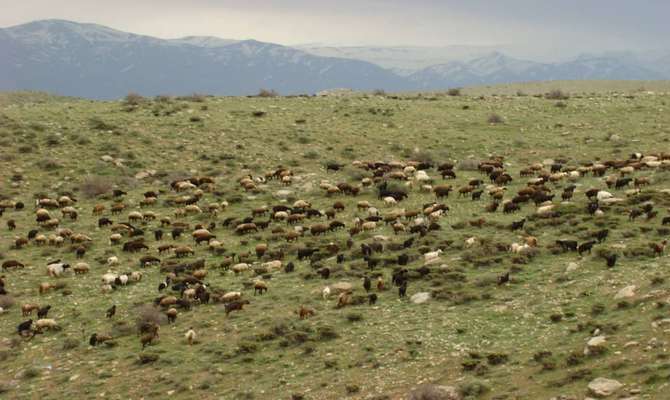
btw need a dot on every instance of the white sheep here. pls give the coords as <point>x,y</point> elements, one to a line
<point>189,294</point>
<point>115,238</point>
<point>81,268</point>
<point>281,215</point>
<point>56,269</point>
<point>231,296</point>
<point>408,170</point>
<point>241,267</point>
<point>432,255</point>
<point>603,195</point>
<point>545,210</point>
<point>325,293</point>
<point>390,201</point>
<point>123,279</point>
<point>422,176</point>
<point>136,276</point>
<point>134,216</point>
<point>184,185</point>
<point>272,265</point>
<point>46,323</point>
<point>471,241</point>
<point>190,336</point>
<point>301,204</point>
<point>369,225</point>
<point>192,209</point>
<point>109,278</point>
<point>112,261</point>
<point>435,215</point>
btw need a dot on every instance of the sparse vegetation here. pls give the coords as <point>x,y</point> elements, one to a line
<point>267,93</point>
<point>495,119</point>
<point>523,336</point>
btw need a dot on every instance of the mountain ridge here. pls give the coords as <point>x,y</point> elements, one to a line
<point>95,61</point>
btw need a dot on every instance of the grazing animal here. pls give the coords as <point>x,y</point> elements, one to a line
<point>46,323</point>
<point>600,236</point>
<point>12,264</point>
<point>171,315</point>
<point>95,339</point>
<point>147,339</point>
<point>634,213</point>
<point>380,283</point>
<point>56,268</point>
<point>42,312</point>
<point>305,312</point>
<point>567,245</point>
<point>610,259</point>
<point>236,306</point>
<point>516,225</point>
<point>402,289</point>
<point>324,272</point>
<point>28,309</point>
<point>343,299</point>
<point>372,299</point>
<point>658,248</point>
<point>25,327</point>
<point>367,283</point>
<point>585,247</point>
<point>111,311</point>
<point>290,267</point>
<point>190,336</point>
<point>503,279</point>
<point>260,287</point>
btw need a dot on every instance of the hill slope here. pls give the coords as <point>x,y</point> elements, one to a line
<point>490,339</point>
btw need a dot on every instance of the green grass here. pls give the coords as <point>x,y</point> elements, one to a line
<point>487,340</point>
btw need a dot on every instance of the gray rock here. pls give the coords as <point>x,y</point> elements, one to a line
<point>433,392</point>
<point>603,387</point>
<point>420,298</point>
<point>341,287</point>
<point>573,266</point>
<point>625,293</point>
<point>284,193</point>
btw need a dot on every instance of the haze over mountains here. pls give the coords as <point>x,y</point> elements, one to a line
<point>98,62</point>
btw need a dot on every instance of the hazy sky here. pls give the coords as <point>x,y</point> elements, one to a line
<point>544,26</point>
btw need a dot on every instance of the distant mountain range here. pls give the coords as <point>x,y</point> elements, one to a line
<point>98,62</point>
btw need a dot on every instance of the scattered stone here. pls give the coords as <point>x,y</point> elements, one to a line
<point>284,193</point>
<point>573,266</point>
<point>625,293</point>
<point>662,322</point>
<point>603,387</point>
<point>420,298</point>
<point>341,287</point>
<point>434,392</point>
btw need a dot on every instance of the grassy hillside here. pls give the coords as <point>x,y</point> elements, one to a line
<point>521,340</point>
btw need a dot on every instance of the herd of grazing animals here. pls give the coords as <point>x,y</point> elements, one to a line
<point>297,238</point>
